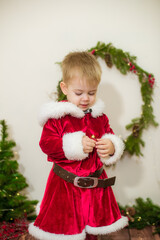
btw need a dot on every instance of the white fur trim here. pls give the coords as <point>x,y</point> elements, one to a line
<point>97,108</point>
<point>38,208</point>
<point>119,148</point>
<point>60,109</point>
<point>72,146</point>
<point>57,110</point>
<point>121,223</point>
<point>42,235</point>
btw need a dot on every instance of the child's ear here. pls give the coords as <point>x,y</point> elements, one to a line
<point>64,88</point>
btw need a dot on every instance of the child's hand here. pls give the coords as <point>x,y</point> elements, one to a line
<point>105,147</point>
<point>88,144</point>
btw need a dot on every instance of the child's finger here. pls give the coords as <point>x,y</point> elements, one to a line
<point>88,149</point>
<point>101,146</point>
<point>103,151</point>
<point>91,143</point>
<point>92,140</point>
<point>104,155</point>
<point>100,142</point>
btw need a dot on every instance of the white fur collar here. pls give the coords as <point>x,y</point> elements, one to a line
<point>60,109</point>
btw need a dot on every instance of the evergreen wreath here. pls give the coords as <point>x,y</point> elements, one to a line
<point>125,63</point>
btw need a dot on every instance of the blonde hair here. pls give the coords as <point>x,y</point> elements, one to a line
<point>85,63</point>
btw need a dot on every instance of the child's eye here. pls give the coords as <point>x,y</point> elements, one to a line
<point>78,94</point>
<point>91,94</point>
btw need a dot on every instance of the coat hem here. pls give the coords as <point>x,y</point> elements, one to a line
<point>118,225</point>
<point>42,235</point>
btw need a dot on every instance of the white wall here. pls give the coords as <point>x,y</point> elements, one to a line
<point>35,34</point>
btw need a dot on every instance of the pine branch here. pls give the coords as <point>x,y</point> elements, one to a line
<point>143,213</point>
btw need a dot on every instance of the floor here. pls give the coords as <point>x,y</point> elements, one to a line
<point>132,234</point>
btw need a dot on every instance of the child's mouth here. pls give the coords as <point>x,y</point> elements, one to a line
<point>84,105</point>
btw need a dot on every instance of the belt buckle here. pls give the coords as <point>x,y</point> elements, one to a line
<point>95,182</point>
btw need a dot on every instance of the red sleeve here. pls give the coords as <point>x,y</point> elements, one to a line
<point>51,139</point>
<point>107,127</point>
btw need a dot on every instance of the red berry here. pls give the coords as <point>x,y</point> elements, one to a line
<point>93,51</point>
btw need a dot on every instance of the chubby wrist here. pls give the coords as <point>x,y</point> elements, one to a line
<point>112,152</point>
<point>118,149</point>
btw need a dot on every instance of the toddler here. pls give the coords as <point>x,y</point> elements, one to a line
<point>78,202</point>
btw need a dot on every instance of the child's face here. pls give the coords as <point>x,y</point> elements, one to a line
<point>79,92</point>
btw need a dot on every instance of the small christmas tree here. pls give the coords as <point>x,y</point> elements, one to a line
<point>13,205</point>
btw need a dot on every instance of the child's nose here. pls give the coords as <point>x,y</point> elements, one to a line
<point>85,97</point>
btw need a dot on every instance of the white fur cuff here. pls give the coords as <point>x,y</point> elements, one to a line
<point>119,148</point>
<point>72,146</point>
<point>38,208</point>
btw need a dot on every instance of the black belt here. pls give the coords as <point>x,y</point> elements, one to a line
<point>90,181</point>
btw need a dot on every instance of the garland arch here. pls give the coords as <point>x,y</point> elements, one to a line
<point>125,63</point>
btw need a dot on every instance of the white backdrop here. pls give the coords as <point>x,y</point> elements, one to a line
<point>34,34</point>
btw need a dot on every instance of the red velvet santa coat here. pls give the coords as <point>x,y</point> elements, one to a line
<point>68,212</point>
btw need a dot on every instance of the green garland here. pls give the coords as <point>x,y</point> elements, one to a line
<point>125,63</point>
